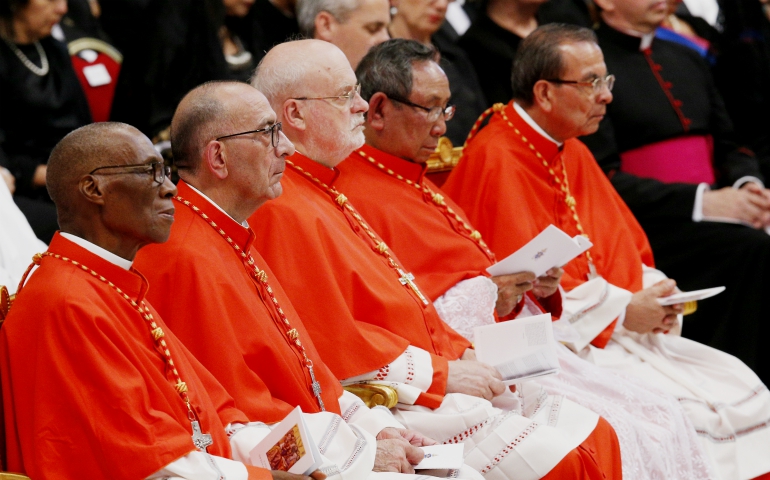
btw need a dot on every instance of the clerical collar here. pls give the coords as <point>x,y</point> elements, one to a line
<point>525,116</point>
<point>212,202</point>
<point>99,251</point>
<point>628,38</point>
<point>321,172</point>
<point>409,170</point>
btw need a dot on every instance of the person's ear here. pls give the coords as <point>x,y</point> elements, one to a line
<point>379,106</point>
<point>293,115</point>
<point>215,159</point>
<point>325,24</point>
<point>543,95</point>
<point>605,5</point>
<point>90,189</point>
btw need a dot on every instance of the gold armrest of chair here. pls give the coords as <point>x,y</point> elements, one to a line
<point>690,307</point>
<point>373,395</point>
<point>445,157</point>
<point>13,476</point>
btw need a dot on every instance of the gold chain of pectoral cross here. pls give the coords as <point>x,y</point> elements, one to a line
<point>564,185</point>
<point>438,201</point>
<point>200,440</point>
<point>261,277</point>
<point>406,279</point>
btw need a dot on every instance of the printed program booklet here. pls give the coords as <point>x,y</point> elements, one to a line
<point>550,248</point>
<point>289,447</point>
<point>518,349</point>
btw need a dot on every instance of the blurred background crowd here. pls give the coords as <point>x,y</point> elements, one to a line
<point>66,63</point>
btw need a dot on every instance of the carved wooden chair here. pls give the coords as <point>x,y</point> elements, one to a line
<point>443,160</point>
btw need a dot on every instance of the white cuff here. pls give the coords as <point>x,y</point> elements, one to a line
<point>697,209</point>
<point>371,420</point>
<point>748,178</point>
<point>243,438</point>
<point>410,374</point>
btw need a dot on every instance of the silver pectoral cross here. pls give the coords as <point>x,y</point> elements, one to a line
<point>200,440</point>
<point>316,388</point>
<point>407,279</point>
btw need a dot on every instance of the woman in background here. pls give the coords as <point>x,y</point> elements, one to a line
<point>41,101</point>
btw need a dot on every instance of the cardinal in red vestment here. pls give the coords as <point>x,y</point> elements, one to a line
<point>94,383</point>
<point>225,303</point>
<point>525,170</point>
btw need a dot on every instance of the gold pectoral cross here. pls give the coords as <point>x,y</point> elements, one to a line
<point>407,279</point>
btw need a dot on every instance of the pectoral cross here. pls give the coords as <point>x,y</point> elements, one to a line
<point>200,440</point>
<point>316,388</point>
<point>407,279</point>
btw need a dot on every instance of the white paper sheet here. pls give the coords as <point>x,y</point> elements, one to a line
<point>518,349</point>
<point>682,297</point>
<point>550,248</point>
<point>442,457</point>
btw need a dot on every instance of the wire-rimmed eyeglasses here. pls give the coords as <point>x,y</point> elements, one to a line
<point>158,170</point>
<point>597,83</point>
<point>433,112</point>
<point>274,129</point>
<point>348,96</point>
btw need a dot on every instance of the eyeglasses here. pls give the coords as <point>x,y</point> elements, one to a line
<point>274,129</point>
<point>597,83</point>
<point>348,96</point>
<point>158,170</point>
<point>433,112</point>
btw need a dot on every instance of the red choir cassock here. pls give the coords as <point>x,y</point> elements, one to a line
<point>511,195</point>
<point>306,209</point>
<point>86,392</point>
<point>428,230</point>
<point>213,299</point>
<point>349,288</point>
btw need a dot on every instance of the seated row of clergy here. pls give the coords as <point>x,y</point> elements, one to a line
<point>297,219</point>
<point>142,394</point>
<point>226,303</point>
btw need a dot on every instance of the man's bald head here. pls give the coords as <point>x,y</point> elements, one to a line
<point>81,151</point>
<point>287,70</point>
<point>207,111</point>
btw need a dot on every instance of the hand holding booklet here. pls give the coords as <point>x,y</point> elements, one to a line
<point>550,248</point>
<point>518,349</point>
<point>288,447</point>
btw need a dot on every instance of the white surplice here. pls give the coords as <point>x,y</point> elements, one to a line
<point>656,438</point>
<point>726,402</point>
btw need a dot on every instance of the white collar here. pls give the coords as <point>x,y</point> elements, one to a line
<point>98,251</point>
<point>245,223</point>
<point>525,116</point>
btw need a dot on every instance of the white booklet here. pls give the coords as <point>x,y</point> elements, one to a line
<point>442,457</point>
<point>683,297</point>
<point>518,349</point>
<point>550,248</point>
<point>288,447</point>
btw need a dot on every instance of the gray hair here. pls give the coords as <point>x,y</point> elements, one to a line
<point>387,68</point>
<point>538,57</point>
<point>308,10</point>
